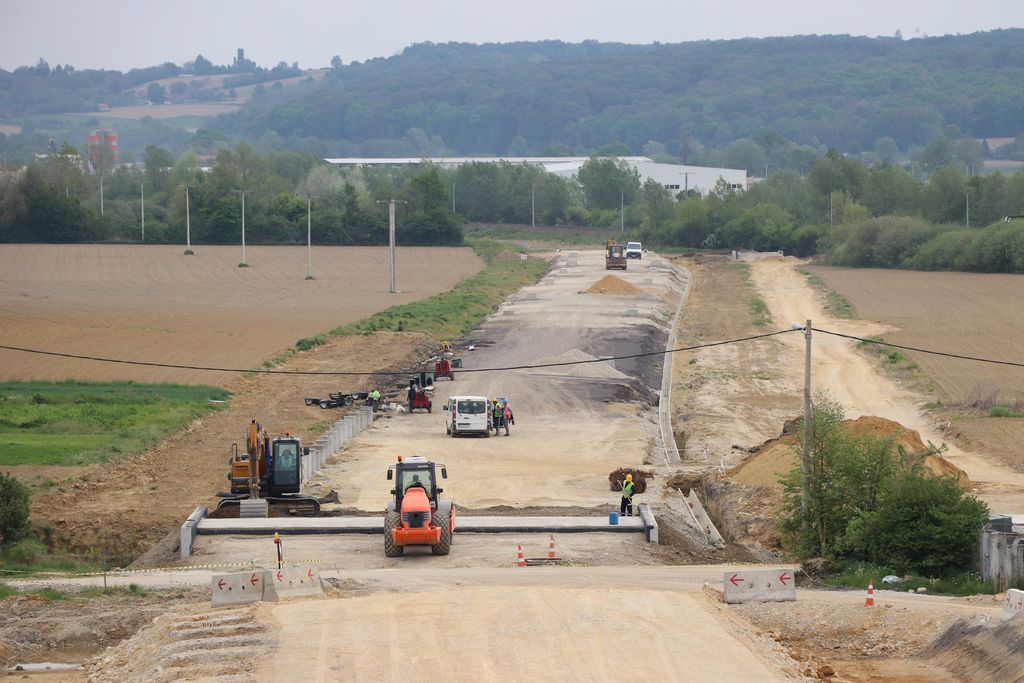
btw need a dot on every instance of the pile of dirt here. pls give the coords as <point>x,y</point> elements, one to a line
<point>611,284</point>
<point>778,456</point>
<point>640,478</point>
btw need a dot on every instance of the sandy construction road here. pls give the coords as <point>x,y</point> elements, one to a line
<point>574,424</point>
<point>855,381</point>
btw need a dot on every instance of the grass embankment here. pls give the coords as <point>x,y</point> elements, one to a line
<point>965,583</point>
<point>760,316</point>
<point>77,423</point>
<point>54,595</point>
<point>836,304</point>
<point>451,314</point>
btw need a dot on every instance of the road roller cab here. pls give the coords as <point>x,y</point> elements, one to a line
<point>416,515</point>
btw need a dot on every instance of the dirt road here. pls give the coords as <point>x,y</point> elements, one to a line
<point>573,424</point>
<point>855,381</point>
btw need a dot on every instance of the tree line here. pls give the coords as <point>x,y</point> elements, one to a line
<point>842,211</point>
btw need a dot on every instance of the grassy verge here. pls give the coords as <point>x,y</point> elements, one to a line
<point>76,423</point>
<point>835,303</point>
<point>86,593</point>
<point>965,583</point>
<point>451,314</point>
<point>760,316</point>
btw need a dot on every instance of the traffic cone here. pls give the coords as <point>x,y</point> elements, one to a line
<point>520,562</point>
<point>870,600</point>
<point>551,549</point>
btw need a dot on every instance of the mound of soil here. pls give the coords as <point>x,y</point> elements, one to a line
<point>778,456</point>
<point>611,284</point>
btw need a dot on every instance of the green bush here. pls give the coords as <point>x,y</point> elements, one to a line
<point>23,553</point>
<point>922,524</point>
<point>13,509</point>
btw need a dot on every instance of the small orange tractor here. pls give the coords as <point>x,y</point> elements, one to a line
<point>417,515</point>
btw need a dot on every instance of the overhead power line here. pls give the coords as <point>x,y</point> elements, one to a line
<point>530,366</point>
<point>341,373</point>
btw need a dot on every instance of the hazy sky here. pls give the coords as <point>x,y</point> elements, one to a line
<point>122,35</point>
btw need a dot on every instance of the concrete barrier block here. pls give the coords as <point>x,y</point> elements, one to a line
<point>291,582</point>
<point>759,585</point>
<point>650,524</point>
<point>237,588</point>
<point>188,531</point>
<point>1013,604</point>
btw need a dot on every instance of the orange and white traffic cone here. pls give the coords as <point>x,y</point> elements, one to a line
<point>870,600</point>
<point>520,562</point>
<point>551,549</point>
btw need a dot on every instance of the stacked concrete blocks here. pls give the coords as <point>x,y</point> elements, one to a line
<point>334,439</point>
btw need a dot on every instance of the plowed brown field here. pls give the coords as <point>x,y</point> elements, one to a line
<point>962,313</point>
<point>152,303</point>
<point>971,314</point>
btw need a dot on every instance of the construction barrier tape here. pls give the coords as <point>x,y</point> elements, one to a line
<point>251,564</point>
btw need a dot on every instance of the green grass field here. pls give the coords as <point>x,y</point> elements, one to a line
<point>76,423</point>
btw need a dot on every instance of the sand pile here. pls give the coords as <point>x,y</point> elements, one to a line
<point>778,456</point>
<point>597,370</point>
<point>610,284</point>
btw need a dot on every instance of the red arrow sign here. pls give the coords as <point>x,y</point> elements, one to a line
<point>735,580</point>
<point>280,575</point>
<point>254,580</point>
<point>783,578</point>
<point>310,573</point>
<point>220,584</point>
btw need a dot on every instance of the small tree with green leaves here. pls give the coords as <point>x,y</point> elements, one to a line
<point>846,478</point>
<point>922,524</point>
<point>13,509</point>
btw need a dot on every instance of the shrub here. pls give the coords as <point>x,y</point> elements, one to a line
<point>922,524</point>
<point>13,509</point>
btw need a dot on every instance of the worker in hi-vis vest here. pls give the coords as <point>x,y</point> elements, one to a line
<point>628,489</point>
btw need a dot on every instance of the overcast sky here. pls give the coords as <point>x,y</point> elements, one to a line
<point>122,35</point>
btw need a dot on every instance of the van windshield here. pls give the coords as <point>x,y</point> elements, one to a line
<point>472,407</point>
<point>632,245</point>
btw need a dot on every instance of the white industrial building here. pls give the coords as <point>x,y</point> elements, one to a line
<point>673,177</point>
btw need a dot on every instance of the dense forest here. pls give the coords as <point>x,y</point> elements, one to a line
<point>822,91</point>
<point>780,102</point>
<point>842,211</point>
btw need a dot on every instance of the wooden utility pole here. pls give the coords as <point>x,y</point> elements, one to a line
<point>391,238</point>
<point>808,429</point>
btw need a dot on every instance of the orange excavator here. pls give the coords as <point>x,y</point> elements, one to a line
<point>270,468</point>
<point>417,515</point>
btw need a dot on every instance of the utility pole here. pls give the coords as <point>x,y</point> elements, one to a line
<point>967,194</point>
<point>101,192</point>
<point>453,196</point>
<point>309,237</point>
<point>622,211</point>
<point>686,183</point>
<point>142,202</point>
<point>391,237</point>
<point>533,205</point>
<point>808,428</point>
<point>831,223</point>
<point>188,226</point>
<point>244,263</point>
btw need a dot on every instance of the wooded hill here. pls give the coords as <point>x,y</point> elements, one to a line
<point>521,98</point>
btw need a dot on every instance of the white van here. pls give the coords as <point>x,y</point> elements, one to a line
<point>634,250</point>
<point>467,415</point>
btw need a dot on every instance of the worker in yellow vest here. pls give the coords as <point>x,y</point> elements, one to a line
<point>628,489</point>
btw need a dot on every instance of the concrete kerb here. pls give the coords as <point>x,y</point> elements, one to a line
<point>188,531</point>
<point>291,582</point>
<point>650,524</point>
<point>237,588</point>
<point>1013,605</point>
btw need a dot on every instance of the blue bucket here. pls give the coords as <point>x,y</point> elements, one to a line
<point>613,518</point>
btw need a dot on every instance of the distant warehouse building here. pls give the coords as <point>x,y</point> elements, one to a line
<point>673,177</point>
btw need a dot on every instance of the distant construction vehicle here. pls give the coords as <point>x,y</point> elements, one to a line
<point>270,468</point>
<point>614,256</point>
<point>417,515</point>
